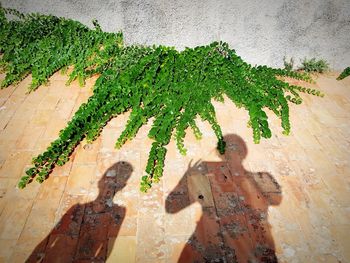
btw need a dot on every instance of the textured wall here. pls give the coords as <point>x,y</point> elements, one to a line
<point>261,31</point>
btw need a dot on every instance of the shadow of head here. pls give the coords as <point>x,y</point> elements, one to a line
<point>235,147</point>
<point>265,183</point>
<point>115,178</point>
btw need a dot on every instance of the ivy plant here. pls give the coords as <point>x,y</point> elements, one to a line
<point>313,65</point>
<point>344,74</point>
<point>288,64</point>
<point>173,88</point>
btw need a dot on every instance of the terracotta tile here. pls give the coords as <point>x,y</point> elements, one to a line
<point>25,111</point>
<point>133,157</point>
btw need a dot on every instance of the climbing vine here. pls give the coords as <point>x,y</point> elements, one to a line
<point>172,87</point>
<point>344,74</point>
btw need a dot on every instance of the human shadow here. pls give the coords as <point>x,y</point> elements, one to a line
<point>86,231</point>
<point>233,226</point>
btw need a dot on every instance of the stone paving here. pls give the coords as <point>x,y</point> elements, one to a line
<point>285,199</point>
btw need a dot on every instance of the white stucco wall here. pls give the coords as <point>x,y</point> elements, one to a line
<point>261,31</point>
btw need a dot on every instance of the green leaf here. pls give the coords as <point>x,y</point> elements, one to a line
<point>169,87</point>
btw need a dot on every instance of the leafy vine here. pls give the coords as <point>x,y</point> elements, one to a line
<point>344,74</point>
<point>157,82</point>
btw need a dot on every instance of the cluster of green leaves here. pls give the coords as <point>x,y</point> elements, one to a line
<point>313,65</point>
<point>40,45</point>
<point>288,65</point>
<point>171,87</point>
<point>344,74</point>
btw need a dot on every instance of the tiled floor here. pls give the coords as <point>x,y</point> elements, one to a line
<point>287,198</point>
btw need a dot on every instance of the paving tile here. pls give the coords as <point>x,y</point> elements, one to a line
<point>80,179</point>
<point>64,170</point>
<point>340,234</point>
<point>104,161</point>
<point>119,121</point>
<point>67,202</point>
<point>199,189</point>
<point>227,201</point>
<point>39,223</point>
<point>87,152</point>
<point>83,96</point>
<point>150,238</point>
<point>93,237</point>
<point>49,103</point>
<point>24,250</point>
<point>13,130</point>
<point>60,248</point>
<point>28,193</point>
<point>65,106</point>
<point>29,140</point>
<point>174,223</point>
<point>177,245</point>
<point>127,199</point>
<point>13,166</point>
<point>7,247</point>
<point>329,258</point>
<point>108,139</point>
<point>11,214</point>
<point>123,226</point>
<point>122,249</point>
<point>42,117</point>
<point>151,202</point>
<point>25,111</point>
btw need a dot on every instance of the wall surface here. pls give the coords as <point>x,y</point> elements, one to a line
<point>261,31</point>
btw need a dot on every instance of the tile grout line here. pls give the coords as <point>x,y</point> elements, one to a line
<point>21,102</point>
<point>10,95</point>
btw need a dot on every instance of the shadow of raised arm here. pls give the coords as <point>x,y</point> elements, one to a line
<point>179,198</point>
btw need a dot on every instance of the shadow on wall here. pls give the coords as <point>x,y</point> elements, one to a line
<point>235,202</point>
<point>86,231</point>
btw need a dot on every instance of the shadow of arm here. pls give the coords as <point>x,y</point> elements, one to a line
<point>178,198</point>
